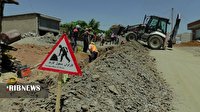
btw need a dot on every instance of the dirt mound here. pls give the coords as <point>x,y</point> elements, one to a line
<point>30,54</point>
<point>29,34</point>
<point>82,59</point>
<point>35,54</point>
<point>49,38</point>
<point>121,80</point>
<point>188,44</point>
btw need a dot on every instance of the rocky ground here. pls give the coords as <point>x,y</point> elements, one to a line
<point>122,79</point>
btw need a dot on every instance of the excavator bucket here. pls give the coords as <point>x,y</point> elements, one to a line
<point>13,36</point>
<point>10,1</point>
<point>174,31</point>
<point>10,37</point>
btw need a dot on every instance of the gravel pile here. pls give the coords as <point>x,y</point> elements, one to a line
<point>123,79</point>
<point>29,34</point>
<point>49,38</point>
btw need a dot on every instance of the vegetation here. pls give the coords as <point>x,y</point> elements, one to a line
<point>93,24</point>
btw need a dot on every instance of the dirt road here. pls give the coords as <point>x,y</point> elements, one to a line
<point>181,70</point>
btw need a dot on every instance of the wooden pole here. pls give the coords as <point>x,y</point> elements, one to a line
<point>59,91</point>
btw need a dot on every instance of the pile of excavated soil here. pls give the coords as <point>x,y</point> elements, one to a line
<point>188,44</point>
<point>121,80</point>
<point>32,38</point>
<point>49,38</point>
<point>30,54</point>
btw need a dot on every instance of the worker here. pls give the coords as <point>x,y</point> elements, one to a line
<point>113,38</point>
<point>102,37</point>
<point>75,37</point>
<point>93,37</point>
<point>85,41</point>
<point>94,52</point>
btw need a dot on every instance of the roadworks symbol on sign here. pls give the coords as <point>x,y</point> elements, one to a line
<point>61,58</point>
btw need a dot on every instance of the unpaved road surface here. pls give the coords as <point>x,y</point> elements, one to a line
<point>181,70</point>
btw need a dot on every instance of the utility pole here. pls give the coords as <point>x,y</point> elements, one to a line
<point>2,3</point>
<point>172,18</point>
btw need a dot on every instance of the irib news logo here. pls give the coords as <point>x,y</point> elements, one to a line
<point>25,88</point>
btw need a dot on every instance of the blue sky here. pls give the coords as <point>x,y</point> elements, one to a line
<point>108,12</point>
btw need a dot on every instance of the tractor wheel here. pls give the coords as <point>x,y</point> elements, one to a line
<point>155,42</point>
<point>131,36</point>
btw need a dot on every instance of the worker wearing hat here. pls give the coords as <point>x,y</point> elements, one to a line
<point>75,36</point>
<point>94,52</point>
<point>85,41</point>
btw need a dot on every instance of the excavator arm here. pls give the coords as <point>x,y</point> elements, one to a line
<point>3,37</point>
<point>2,3</point>
<point>10,2</point>
<point>174,31</point>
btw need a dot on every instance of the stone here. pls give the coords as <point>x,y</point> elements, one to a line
<point>113,89</point>
<point>66,102</point>
<point>84,108</point>
<point>77,80</point>
<point>94,104</point>
<point>95,78</point>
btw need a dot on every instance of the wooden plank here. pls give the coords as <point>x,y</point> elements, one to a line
<point>59,92</point>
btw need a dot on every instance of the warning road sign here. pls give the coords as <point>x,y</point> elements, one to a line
<point>61,58</point>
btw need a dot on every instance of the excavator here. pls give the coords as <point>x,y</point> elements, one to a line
<point>153,31</point>
<point>7,61</point>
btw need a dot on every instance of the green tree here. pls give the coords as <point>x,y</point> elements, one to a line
<point>82,24</point>
<point>94,24</point>
<point>67,27</point>
<point>108,33</point>
<point>91,24</point>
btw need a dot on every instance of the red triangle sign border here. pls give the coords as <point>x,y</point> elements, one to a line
<point>41,67</point>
